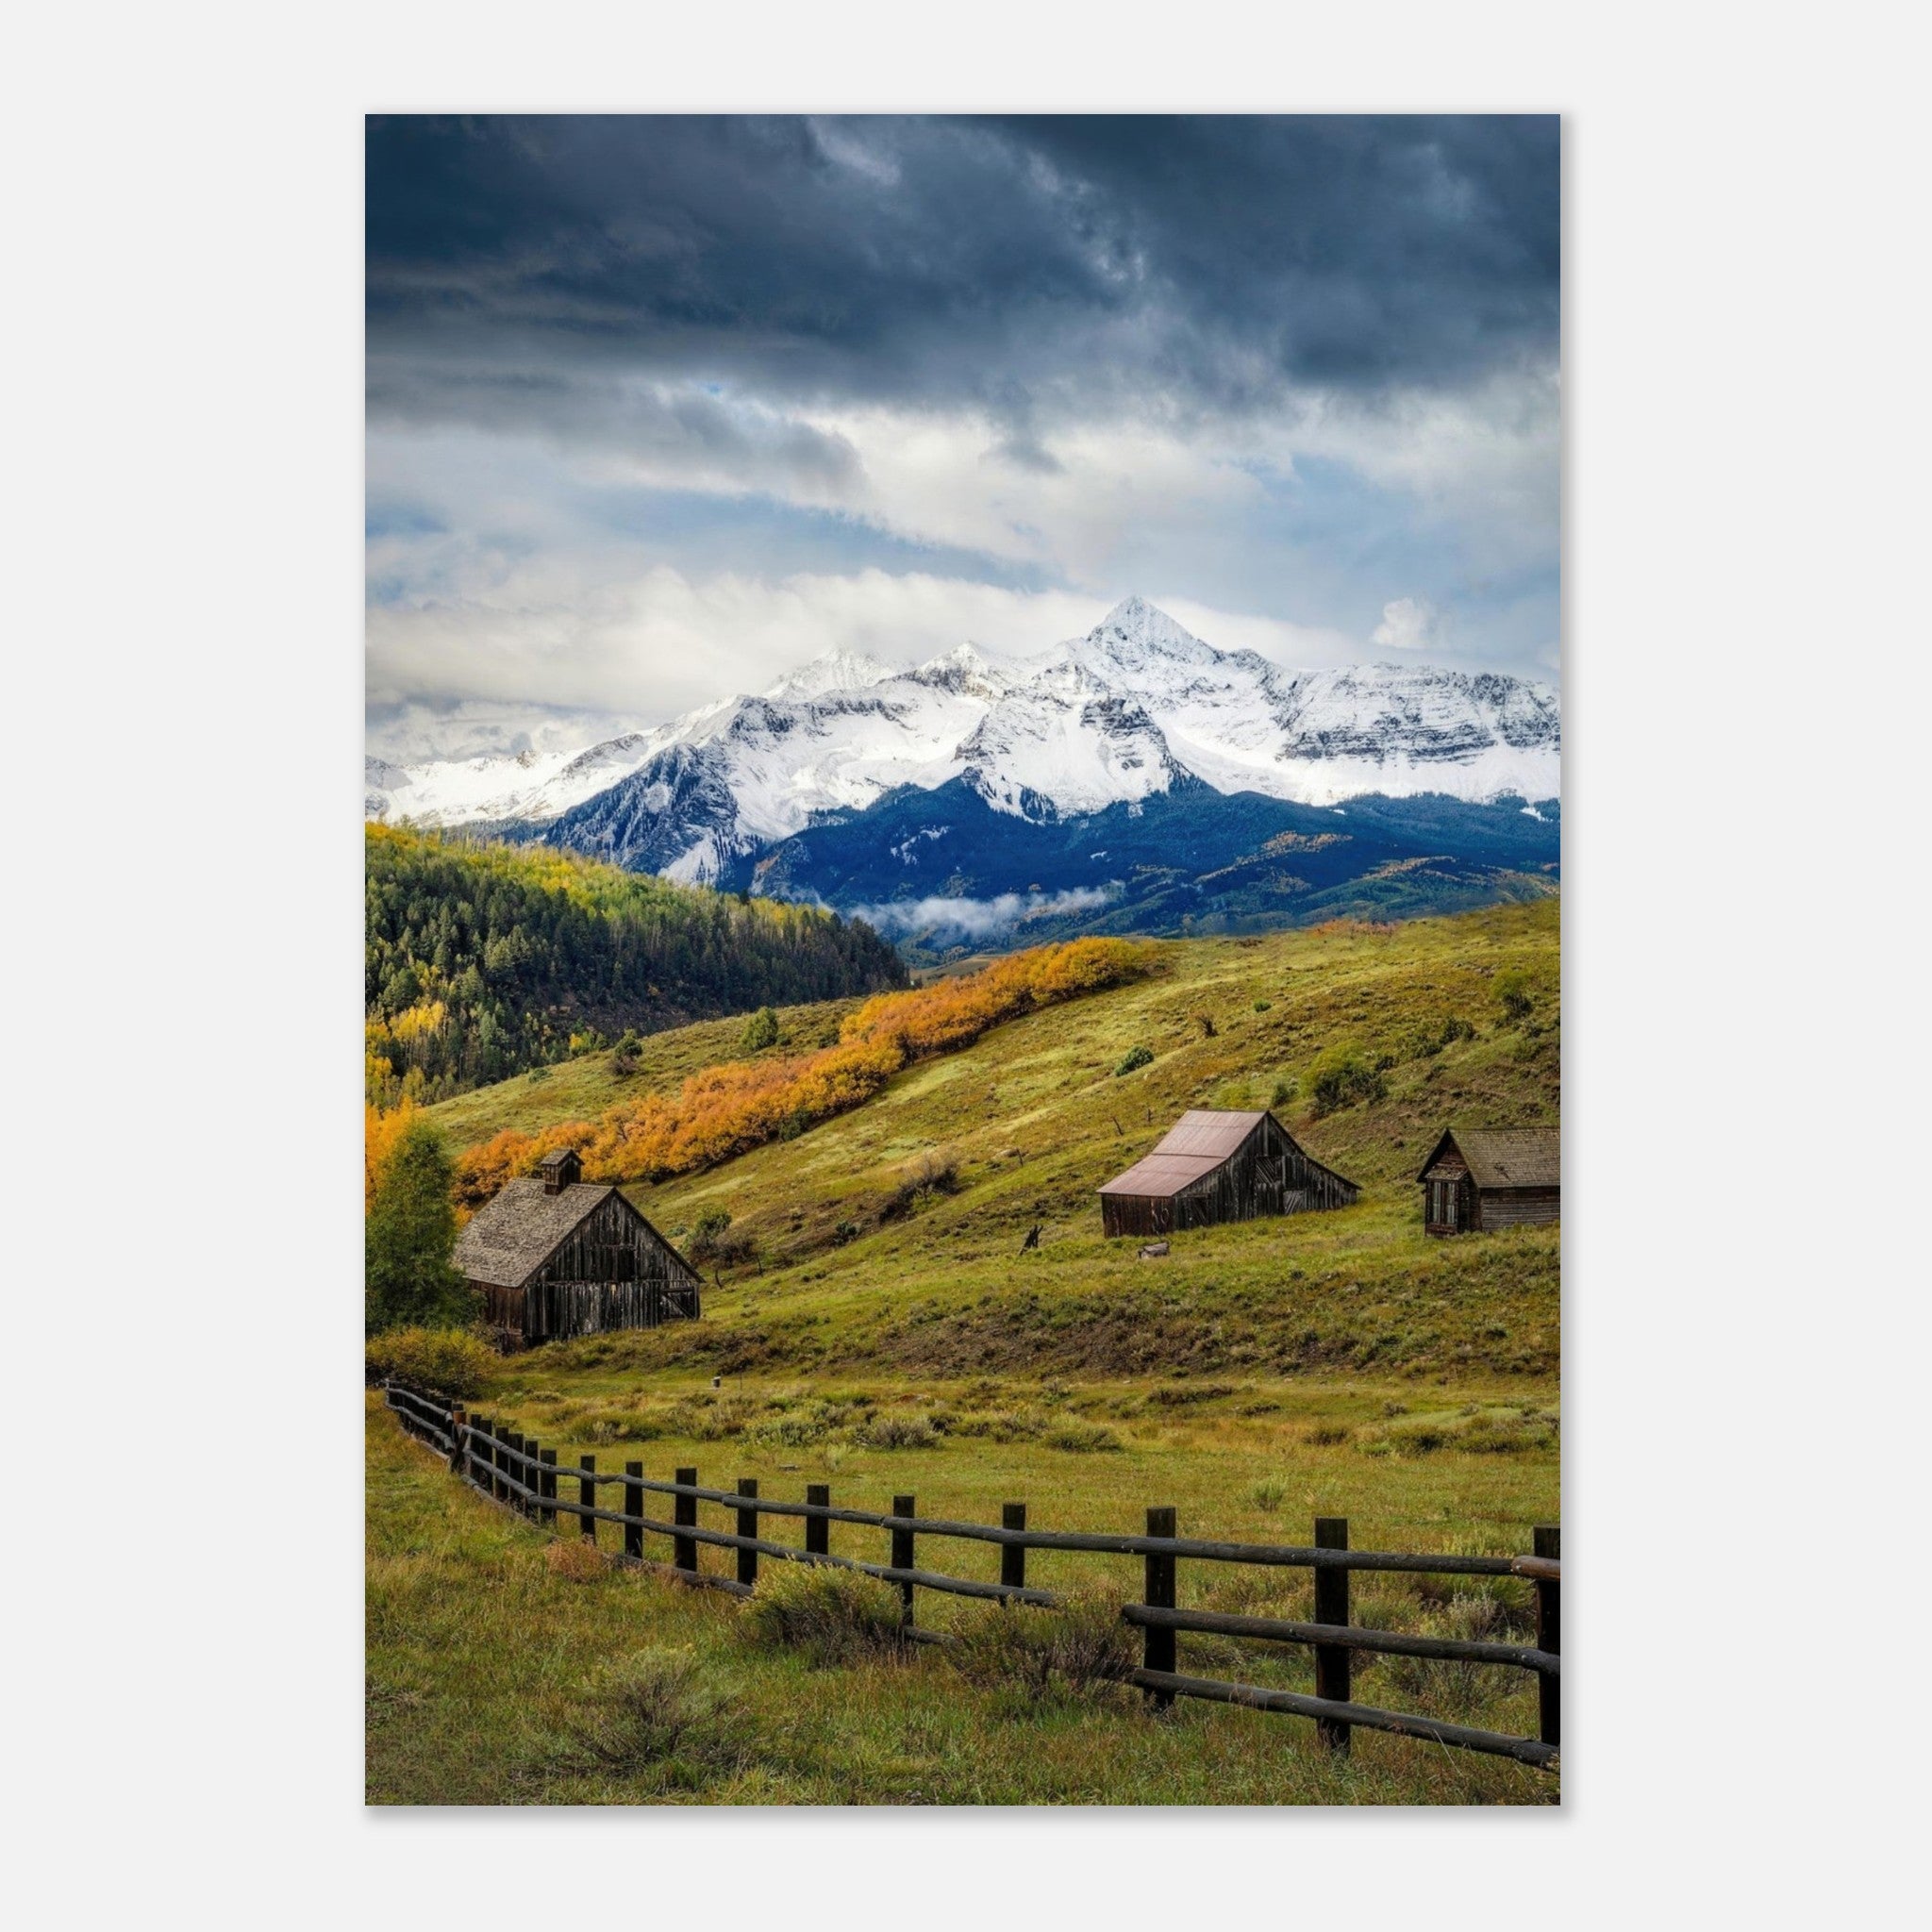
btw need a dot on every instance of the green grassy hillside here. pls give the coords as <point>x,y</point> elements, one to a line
<point>841,1268</point>
<point>893,1340</point>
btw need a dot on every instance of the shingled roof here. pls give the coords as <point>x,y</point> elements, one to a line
<point>513,1235</point>
<point>1505,1157</point>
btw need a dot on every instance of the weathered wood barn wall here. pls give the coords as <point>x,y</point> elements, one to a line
<point>1478,1179</point>
<point>1212,1166</point>
<point>555,1259</point>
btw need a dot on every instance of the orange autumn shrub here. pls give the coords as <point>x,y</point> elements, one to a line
<point>729,1109</point>
<point>481,1171</point>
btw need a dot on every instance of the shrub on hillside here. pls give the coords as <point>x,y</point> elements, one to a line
<point>1513,995</point>
<point>797,1429</point>
<point>761,1031</point>
<point>1452,1686</point>
<point>1134,1057</point>
<point>706,1236</point>
<point>651,1708</point>
<point>1051,1655</point>
<point>897,1432</point>
<point>1081,1439</point>
<point>834,1615</point>
<point>1343,1075</point>
<point>453,1362</point>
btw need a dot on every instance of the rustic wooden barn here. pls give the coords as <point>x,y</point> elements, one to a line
<point>1480,1179</point>
<point>1219,1166</point>
<point>556,1256</point>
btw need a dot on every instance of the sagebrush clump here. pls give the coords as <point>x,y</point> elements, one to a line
<point>833,1615</point>
<point>1343,1075</point>
<point>453,1362</point>
<point>897,1432</point>
<point>651,1708</point>
<point>1051,1655</point>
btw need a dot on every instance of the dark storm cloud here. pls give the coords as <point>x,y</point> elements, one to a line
<point>1037,268</point>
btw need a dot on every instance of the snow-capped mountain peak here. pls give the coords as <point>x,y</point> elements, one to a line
<point>1135,708</point>
<point>837,670</point>
<point>967,668</point>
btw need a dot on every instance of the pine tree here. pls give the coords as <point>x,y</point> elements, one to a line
<point>411,1226</point>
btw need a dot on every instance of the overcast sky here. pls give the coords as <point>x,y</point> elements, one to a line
<point>661,407</point>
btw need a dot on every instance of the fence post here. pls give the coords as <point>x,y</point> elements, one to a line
<point>902,1555</point>
<point>1158,1650</point>
<point>499,1462</point>
<point>1013,1555</point>
<point>1548,1542</point>
<point>634,1509</point>
<point>546,1485</point>
<point>587,1495</point>
<point>684,1549</point>
<point>818,1532</point>
<point>1331,1606</point>
<point>456,1422</point>
<point>521,1471</point>
<point>747,1526</point>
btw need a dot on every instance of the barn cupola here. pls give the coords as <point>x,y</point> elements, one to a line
<point>560,1169</point>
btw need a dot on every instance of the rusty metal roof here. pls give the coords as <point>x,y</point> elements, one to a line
<point>1210,1131</point>
<point>1161,1174</point>
<point>1195,1147</point>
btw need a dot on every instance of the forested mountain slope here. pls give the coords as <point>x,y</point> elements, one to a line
<point>481,960</point>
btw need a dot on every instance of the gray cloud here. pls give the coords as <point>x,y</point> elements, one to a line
<point>657,406</point>
<point>1023,265</point>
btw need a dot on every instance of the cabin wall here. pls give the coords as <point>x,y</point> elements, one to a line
<point>503,1307</point>
<point>1136,1214</point>
<point>1516,1207</point>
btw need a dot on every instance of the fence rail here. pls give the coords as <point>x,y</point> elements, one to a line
<point>523,1475</point>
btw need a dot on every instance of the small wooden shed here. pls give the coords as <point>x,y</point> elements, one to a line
<point>1214,1165</point>
<point>556,1256</point>
<point>1480,1179</point>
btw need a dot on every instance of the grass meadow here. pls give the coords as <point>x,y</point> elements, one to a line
<point>490,1658</point>
<point>881,1324</point>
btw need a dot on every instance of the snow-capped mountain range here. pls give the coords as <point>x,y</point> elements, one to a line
<point>1136,707</point>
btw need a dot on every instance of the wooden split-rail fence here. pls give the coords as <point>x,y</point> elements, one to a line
<point>525,1477</point>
